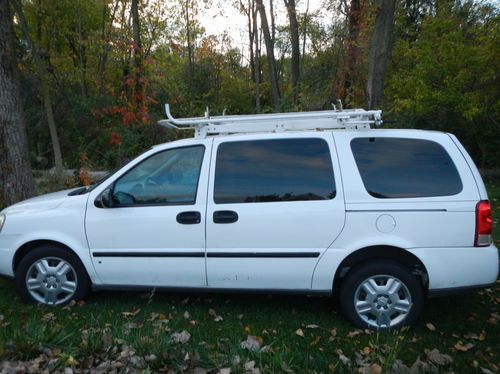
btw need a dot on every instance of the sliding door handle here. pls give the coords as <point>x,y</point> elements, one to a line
<point>225,216</point>
<point>189,218</point>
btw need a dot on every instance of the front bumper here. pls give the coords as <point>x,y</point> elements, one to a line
<point>7,250</point>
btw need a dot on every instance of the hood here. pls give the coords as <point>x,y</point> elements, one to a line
<point>42,202</point>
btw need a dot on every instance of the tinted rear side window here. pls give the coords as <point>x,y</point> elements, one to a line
<point>400,168</point>
<point>273,170</point>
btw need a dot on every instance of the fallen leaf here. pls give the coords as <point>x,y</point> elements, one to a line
<point>212,313</point>
<point>299,332</point>
<point>252,343</point>
<point>218,319</point>
<point>236,360</point>
<point>312,327</point>
<point>374,369</point>
<point>333,332</point>
<point>344,359</point>
<point>187,315</point>
<point>181,337</point>
<point>249,365</point>
<point>437,357</point>
<point>354,333</point>
<point>430,326</point>
<point>486,371</point>
<point>131,314</point>
<point>463,348</point>
<point>315,341</point>
<point>225,371</point>
<point>71,361</point>
<point>366,351</point>
<point>49,317</point>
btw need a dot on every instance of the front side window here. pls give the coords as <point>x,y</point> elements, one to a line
<point>168,177</point>
<point>403,168</point>
<point>273,170</point>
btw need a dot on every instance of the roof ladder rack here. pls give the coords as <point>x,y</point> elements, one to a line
<point>358,119</point>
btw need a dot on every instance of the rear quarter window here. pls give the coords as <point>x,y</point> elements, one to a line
<point>405,168</point>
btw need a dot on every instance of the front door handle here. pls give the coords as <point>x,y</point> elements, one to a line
<point>225,216</point>
<point>189,218</point>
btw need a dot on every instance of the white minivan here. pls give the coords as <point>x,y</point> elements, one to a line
<point>311,203</point>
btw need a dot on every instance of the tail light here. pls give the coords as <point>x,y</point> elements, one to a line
<point>484,224</point>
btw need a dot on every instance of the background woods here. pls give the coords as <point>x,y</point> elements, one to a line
<point>93,74</point>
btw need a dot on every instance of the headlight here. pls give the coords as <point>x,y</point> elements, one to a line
<point>2,220</point>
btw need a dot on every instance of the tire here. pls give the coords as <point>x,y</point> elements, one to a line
<point>51,276</point>
<point>381,295</point>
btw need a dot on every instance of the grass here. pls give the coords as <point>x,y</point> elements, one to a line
<point>300,334</point>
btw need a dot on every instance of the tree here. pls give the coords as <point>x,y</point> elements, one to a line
<point>138,96</point>
<point>43,76</point>
<point>16,179</point>
<point>346,86</point>
<point>257,59</point>
<point>294,36</point>
<point>271,62</point>
<point>380,51</point>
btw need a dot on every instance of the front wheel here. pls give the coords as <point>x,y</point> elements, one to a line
<point>381,295</point>
<point>51,276</point>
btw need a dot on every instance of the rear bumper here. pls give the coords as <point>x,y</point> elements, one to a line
<point>459,268</point>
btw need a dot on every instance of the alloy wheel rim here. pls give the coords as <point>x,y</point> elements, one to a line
<point>382,301</point>
<point>51,281</point>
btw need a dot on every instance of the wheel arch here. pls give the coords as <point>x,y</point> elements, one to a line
<point>31,245</point>
<point>382,252</point>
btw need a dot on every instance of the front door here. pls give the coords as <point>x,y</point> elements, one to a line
<point>275,204</point>
<point>153,233</point>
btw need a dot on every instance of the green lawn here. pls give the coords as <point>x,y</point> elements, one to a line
<point>295,333</point>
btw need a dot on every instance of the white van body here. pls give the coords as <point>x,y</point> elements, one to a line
<point>303,246</point>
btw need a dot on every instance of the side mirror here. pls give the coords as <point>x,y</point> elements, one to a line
<point>104,200</point>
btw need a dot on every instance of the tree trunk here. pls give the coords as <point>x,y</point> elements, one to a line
<point>304,36</point>
<point>294,36</point>
<point>82,60</point>
<point>380,51</point>
<point>188,37</point>
<point>138,96</point>
<point>103,57</point>
<point>352,54</point>
<point>251,32</point>
<point>16,178</point>
<point>273,22</point>
<point>42,73</point>
<point>275,93</point>
<point>257,60</point>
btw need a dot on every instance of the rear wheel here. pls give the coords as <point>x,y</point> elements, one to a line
<point>381,295</point>
<point>51,276</point>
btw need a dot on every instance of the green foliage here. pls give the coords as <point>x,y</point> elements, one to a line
<point>443,73</point>
<point>447,79</point>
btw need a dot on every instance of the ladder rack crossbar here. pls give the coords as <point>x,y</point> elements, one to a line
<point>274,122</point>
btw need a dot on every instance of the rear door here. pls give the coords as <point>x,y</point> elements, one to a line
<point>275,204</point>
